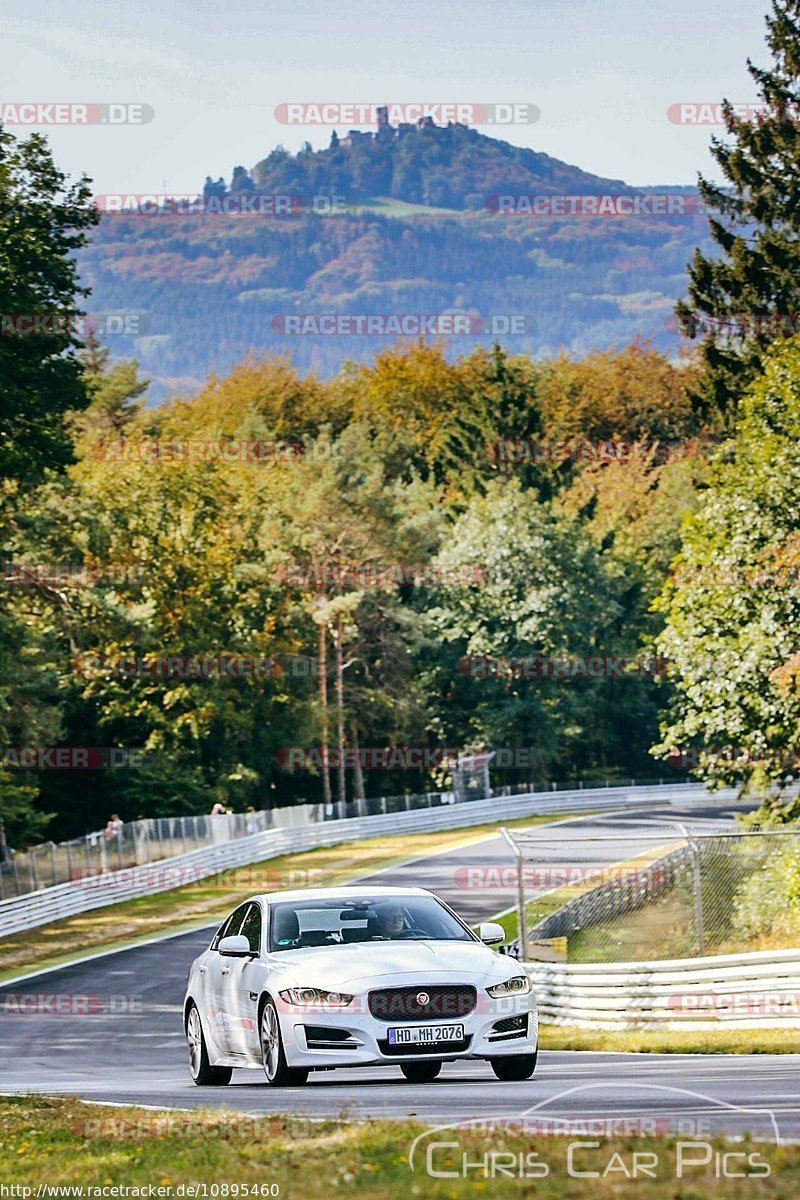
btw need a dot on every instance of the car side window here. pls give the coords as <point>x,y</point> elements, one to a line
<point>251,928</point>
<point>231,926</point>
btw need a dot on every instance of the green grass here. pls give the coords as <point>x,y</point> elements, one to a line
<point>208,900</point>
<point>63,1142</point>
<point>705,1040</point>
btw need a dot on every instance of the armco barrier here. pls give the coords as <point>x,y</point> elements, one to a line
<point>68,899</point>
<point>753,990</point>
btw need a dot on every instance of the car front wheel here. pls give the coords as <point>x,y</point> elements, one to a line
<point>420,1072</point>
<point>514,1068</point>
<point>200,1068</point>
<point>272,1056</point>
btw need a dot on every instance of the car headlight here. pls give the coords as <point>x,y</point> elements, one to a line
<point>309,995</point>
<point>516,986</point>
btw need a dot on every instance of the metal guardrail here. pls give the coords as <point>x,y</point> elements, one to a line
<point>152,839</point>
<point>81,895</point>
<point>751,990</point>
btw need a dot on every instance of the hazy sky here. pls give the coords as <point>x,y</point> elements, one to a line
<point>602,72</point>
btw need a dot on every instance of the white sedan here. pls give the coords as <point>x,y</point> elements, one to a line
<point>311,980</point>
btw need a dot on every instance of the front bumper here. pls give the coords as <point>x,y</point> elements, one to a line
<point>338,1038</point>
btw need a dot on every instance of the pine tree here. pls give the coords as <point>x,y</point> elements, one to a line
<point>749,295</point>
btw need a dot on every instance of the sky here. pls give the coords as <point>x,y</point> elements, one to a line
<point>602,73</point>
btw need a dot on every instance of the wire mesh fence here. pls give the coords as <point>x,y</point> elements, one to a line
<point>673,891</point>
<point>125,844</point>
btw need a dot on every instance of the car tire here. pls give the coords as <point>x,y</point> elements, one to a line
<point>200,1069</point>
<point>420,1072</point>
<point>273,1058</point>
<point>514,1068</point>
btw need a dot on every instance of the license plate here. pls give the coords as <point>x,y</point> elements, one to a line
<point>415,1035</point>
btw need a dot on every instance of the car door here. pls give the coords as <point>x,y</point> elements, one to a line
<point>218,990</point>
<point>241,988</point>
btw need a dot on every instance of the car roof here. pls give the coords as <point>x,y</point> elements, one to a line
<point>341,893</point>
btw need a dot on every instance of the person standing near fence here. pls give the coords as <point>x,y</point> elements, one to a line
<point>113,829</point>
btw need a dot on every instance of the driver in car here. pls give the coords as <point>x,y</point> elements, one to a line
<point>391,922</point>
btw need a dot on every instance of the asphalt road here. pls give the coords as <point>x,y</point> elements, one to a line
<point>114,1034</point>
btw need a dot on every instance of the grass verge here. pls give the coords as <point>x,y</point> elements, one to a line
<point>208,900</point>
<point>671,1041</point>
<point>58,1143</point>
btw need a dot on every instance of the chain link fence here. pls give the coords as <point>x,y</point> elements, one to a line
<point>675,891</point>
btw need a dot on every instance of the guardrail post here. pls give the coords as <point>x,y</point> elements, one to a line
<point>53,863</point>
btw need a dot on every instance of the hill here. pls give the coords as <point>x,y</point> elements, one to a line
<point>417,232</point>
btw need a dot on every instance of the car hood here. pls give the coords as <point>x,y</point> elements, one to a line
<point>376,964</point>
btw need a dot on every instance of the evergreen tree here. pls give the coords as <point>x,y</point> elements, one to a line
<point>43,220</point>
<point>744,298</point>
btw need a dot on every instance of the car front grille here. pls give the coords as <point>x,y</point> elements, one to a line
<point>431,1003</point>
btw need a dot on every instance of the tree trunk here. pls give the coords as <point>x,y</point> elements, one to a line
<point>358,778</point>
<point>322,655</point>
<point>340,776</point>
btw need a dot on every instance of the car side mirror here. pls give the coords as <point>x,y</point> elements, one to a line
<point>489,932</point>
<point>236,946</point>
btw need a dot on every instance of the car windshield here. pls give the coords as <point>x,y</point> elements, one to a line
<point>302,923</point>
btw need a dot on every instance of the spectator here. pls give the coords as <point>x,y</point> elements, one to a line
<point>113,828</point>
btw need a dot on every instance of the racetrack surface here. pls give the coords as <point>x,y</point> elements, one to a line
<point>119,1038</point>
